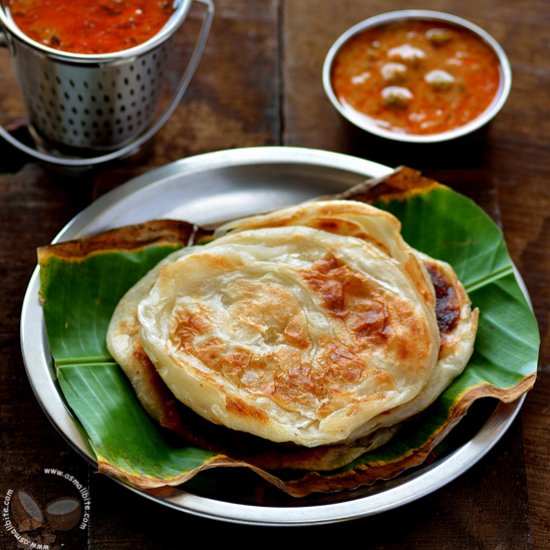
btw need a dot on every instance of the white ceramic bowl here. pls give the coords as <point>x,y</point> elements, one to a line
<point>401,15</point>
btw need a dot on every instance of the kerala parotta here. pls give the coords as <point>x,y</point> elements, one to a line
<point>315,325</point>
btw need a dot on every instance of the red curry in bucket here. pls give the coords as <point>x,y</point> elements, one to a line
<point>416,76</point>
<point>88,26</point>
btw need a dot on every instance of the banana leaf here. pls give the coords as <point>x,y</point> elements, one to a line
<point>82,281</point>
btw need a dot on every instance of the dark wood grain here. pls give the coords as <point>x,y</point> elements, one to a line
<point>259,84</point>
<point>33,208</point>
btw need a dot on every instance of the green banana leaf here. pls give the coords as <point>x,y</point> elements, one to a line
<point>80,293</point>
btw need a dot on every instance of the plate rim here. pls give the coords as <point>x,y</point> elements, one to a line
<point>43,383</point>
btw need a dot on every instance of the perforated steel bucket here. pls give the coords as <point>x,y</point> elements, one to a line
<point>89,108</point>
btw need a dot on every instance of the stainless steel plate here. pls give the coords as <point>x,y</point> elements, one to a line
<point>210,188</point>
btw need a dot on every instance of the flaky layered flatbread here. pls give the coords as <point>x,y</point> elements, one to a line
<point>313,326</point>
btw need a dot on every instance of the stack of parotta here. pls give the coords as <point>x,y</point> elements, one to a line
<point>310,327</point>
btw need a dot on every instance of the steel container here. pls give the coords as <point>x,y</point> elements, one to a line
<point>85,109</point>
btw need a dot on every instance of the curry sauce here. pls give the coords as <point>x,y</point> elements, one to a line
<point>416,76</point>
<point>83,26</point>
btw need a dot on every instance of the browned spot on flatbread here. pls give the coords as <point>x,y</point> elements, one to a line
<point>447,306</point>
<point>238,407</point>
<point>346,295</point>
<point>189,325</point>
<point>368,314</point>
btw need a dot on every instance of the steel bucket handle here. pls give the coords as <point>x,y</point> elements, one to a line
<point>148,134</point>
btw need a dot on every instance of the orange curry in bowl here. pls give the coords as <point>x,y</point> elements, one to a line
<point>90,26</point>
<point>416,76</point>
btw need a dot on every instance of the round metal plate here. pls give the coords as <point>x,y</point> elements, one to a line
<point>210,188</point>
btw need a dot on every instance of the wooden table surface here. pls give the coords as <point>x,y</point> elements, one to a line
<point>259,84</point>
